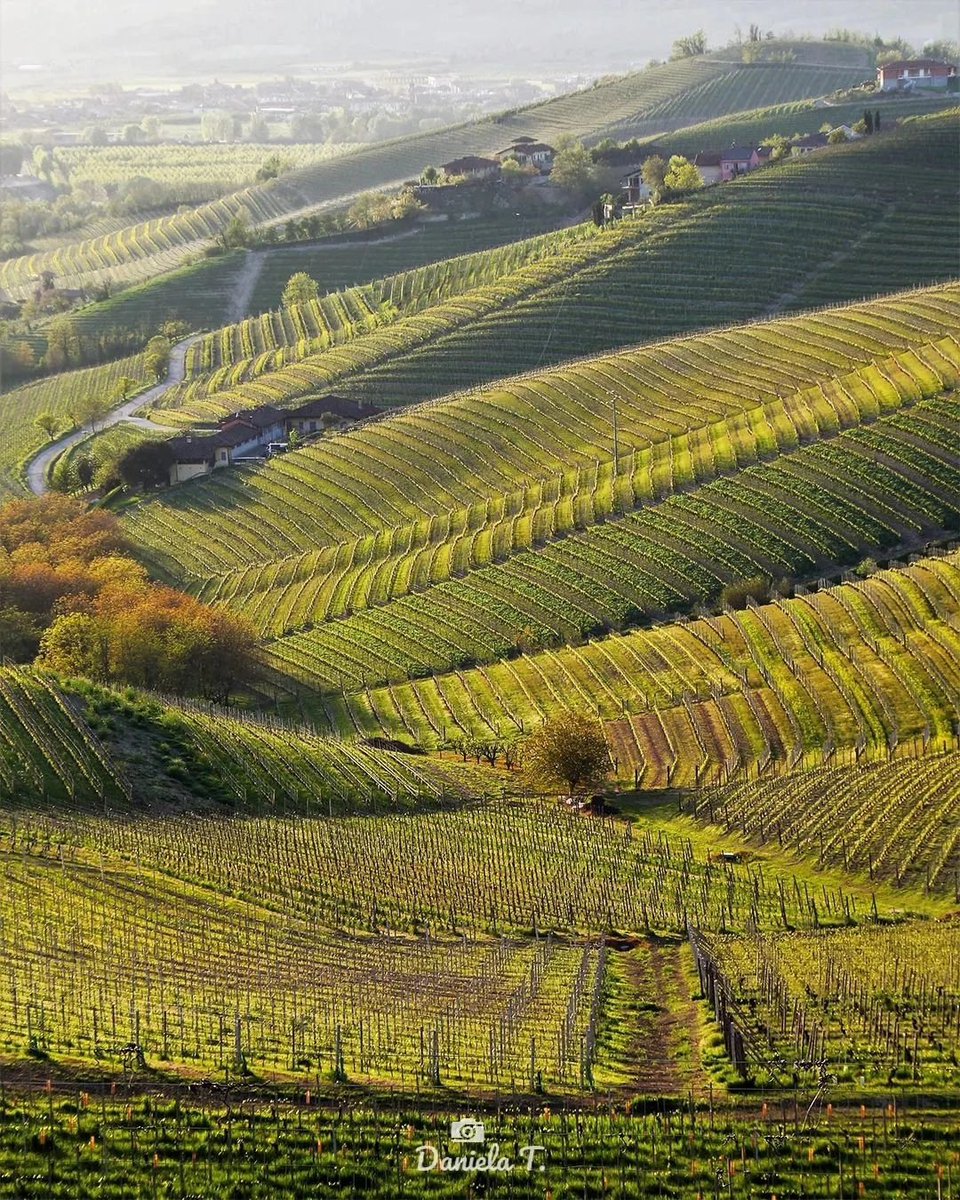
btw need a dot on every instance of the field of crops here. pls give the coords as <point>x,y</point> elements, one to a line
<point>186,1144</point>
<point>98,749</point>
<point>61,395</point>
<point>841,676</point>
<point>799,117</point>
<point>875,1006</point>
<point>486,449</point>
<point>462,947</point>
<point>643,286</point>
<point>900,820</point>
<point>197,172</point>
<point>669,95</point>
<point>265,343</point>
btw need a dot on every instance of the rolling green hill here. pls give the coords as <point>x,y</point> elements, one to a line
<point>670,95</point>
<point>551,435</point>
<point>840,677</point>
<point>87,748</point>
<point>735,252</point>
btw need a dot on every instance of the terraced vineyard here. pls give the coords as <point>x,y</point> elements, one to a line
<point>197,172</point>
<point>265,343</point>
<point>531,432</point>
<point>636,283</point>
<point>878,1004</point>
<point>843,676</point>
<point>286,945</point>
<point>675,93</point>
<point>364,1007</point>
<point>51,752</point>
<point>899,820</point>
<point>593,489</point>
<point>64,397</point>
<point>800,117</point>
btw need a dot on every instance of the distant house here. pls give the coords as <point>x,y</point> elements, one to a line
<point>471,166</point>
<point>635,191</point>
<point>309,418</point>
<point>193,454</point>
<point>806,145</point>
<point>255,428</point>
<point>238,436</point>
<point>529,154</point>
<point>848,132</point>
<point>707,163</point>
<point>738,160</point>
<point>907,74</point>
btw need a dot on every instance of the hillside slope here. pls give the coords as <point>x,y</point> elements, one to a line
<point>666,96</point>
<point>85,747</point>
<point>741,251</point>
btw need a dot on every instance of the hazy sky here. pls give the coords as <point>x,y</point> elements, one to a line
<point>122,38</point>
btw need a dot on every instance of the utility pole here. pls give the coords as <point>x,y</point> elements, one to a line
<point>616,442</point>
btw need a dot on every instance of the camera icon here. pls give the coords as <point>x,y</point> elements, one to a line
<point>467,1130</point>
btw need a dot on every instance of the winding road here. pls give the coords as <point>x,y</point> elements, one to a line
<point>40,465</point>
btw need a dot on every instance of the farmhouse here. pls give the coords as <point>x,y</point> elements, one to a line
<point>529,154</point>
<point>634,189</point>
<point>907,74</point>
<point>707,163</point>
<point>238,435</point>
<point>314,415</point>
<point>737,160</point>
<point>471,166</point>
<point>806,145</point>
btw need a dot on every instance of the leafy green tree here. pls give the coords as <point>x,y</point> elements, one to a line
<point>237,233</point>
<point>779,146</point>
<point>271,168</point>
<point>682,175</point>
<point>690,46</point>
<point>405,204</point>
<point>300,289</point>
<point>151,128</point>
<point>942,50</point>
<point>124,387</point>
<point>258,131</point>
<point>145,464</point>
<point>216,126</point>
<point>836,136</point>
<point>19,635</point>
<point>654,173</point>
<point>156,357</point>
<point>85,469</point>
<point>133,134</point>
<point>48,424</point>
<point>568,751</point>
<point>88,409</point>
<point>573,168</point>
<point>429,175</point>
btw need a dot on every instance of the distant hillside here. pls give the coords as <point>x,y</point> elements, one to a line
<point>661,97</point>
<point>734,252</point>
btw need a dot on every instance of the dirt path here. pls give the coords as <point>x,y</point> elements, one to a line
<point>663,1047</point>
<point>41,463</point>
<point>244,286</point>
<point>838,256</point>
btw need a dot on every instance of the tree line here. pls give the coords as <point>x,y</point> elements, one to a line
<point>74,600</point>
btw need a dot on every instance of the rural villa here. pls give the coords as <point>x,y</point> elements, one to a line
<point>907,74</point>
<point>246,435</point>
